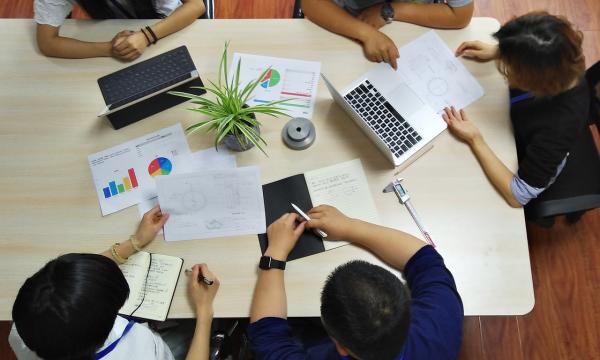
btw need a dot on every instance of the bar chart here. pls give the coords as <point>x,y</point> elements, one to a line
<point>126,184</point>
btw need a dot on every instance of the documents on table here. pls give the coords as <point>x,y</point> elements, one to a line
<point>432,70</point>
<point>212,203</point>
<point>210,158</point>
<point>286,79</point>
<point>125,175</point>
<point>344,186</point>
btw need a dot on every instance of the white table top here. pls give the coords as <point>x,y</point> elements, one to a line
<point>48,128</point>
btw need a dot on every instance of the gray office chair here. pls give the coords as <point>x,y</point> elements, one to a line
<point>577,188</point>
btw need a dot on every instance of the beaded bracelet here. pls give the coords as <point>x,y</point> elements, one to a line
<point>115,254</point>
<point>135,243</point>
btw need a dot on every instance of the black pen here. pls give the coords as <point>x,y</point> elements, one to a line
<point>201,278</point>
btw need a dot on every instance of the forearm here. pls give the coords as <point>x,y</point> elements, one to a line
<point>179,19</point>
<point>433,15</point>
<point>392,246</point>
<point>498,174</point>
<point>200,346</point>
<point>330,16</point>
<point>63,47</point>
<point>269,295</point>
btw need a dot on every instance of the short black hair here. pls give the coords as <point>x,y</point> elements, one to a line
<point>67,309</point>
<point>366,309</point>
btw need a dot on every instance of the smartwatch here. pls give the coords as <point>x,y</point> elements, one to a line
<point>387,12</point>
<point>267,262</point>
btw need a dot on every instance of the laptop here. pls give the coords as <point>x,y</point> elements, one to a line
<point>392,115</point>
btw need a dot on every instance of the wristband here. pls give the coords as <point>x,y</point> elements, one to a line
<point>153,34</point>
<point>146,36</point>
<point>115,254</point>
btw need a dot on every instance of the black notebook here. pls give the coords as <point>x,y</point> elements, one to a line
<point>343,185</point>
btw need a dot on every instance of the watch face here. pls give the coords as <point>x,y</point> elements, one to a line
<point>387,12</point>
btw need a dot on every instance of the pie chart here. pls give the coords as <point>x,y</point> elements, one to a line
<point>160,166</point>
<point>270,79</point>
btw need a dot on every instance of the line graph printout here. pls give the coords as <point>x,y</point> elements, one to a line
<point>292,79</point>
<point>430,68</point>
<point>212,203</point>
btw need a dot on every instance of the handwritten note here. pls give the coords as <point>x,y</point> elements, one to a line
<point>344,186</point>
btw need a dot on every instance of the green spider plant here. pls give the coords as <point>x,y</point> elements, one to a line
<point>229,113</point>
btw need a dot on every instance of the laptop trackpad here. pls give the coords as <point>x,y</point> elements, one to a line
<point>404,100</point>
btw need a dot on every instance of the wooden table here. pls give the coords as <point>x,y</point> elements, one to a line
<point>48,126</point>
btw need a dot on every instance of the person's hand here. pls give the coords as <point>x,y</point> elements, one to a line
<point>477,50</point>
<point>330,220</point>
<point>150,225</point>
<point>283,234</point>
<point>130,47</point>
<point>378,47</point>
<point>203,295</point>
<point>372,16</point>
<point>460,125</point>
<point>119,35</point>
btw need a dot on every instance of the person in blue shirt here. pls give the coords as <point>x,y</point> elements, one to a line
<point>368,312</point>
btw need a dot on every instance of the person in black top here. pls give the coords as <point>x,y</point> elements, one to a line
<point>541,57</point>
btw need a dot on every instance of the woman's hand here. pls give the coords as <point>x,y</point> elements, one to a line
<point>460,125</point>
<point>331,220</point>
<point>203,295</point>
<point>129,47</point>
<point>477,50</point>
<point>150,225</point>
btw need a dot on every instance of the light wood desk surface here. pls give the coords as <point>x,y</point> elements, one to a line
<point>48,127</point>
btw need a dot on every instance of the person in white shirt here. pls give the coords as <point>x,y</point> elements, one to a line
<point>126,45</point>
<point>68,309</point>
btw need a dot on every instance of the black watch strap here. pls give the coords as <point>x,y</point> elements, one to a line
<point>387,12</point>
<point>267,262</point>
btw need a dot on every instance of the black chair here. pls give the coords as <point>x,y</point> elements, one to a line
<point>210,10</point>
<point>297,13</point>
<point>577,188</point>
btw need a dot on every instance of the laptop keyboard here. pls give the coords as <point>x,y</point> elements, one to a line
<point>382,118</point>
<point>146,77</point>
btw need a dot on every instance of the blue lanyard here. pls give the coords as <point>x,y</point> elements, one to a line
<point>114,344</point>
<point>519,98</point>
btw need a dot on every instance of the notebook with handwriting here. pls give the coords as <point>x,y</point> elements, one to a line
<point>343,185</point>
<point>152,279</point>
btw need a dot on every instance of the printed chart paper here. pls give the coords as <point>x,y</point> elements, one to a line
<point>344,186</point>
<point>125,175</point>
<point>212,203</point>
<point>430,68</point>
<point>286,79</point>
<point>200,160</point>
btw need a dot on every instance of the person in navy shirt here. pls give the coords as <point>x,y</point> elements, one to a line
<point>367,311</point>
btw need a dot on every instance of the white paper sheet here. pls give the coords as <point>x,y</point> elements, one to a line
<point>344,186</point>
<point>436,75</point>
<point>288,78</point>
<point>213,203</point>
<point>200,160</point>
<point>125,174</point>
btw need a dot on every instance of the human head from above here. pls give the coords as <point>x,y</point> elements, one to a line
<point>67,309</point>
<point>541,53</point>
<point>366,310</point>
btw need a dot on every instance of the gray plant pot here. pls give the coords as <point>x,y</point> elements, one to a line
<point>232,142</point>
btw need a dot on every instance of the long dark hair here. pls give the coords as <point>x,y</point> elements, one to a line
<point>98,9</point>
<point>67,309</point>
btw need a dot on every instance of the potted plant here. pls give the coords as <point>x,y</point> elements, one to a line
<point>231,118</point>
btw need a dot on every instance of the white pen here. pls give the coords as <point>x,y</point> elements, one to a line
<point>321,233</point>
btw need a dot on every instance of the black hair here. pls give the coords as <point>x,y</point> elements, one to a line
<point>99,9</point>
<point>67,309</point>
<point>541,53</point>
<point>366,309</point>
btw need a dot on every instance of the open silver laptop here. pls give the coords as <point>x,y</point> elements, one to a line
<point>391,114</point>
